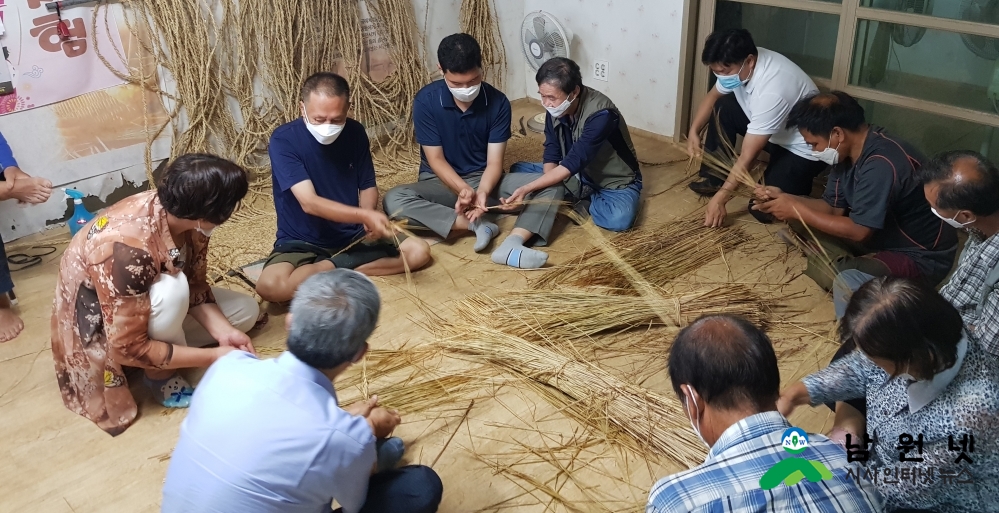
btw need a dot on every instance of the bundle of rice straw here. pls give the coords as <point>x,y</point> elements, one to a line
<point>578,314</point>
<point>660,254</point>
<point>657,424</point>
<point>428,394</point>
<point>381,362</point>
<point>409,394</point>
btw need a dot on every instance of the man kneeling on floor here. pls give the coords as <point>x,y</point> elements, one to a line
<point>873,219</point>
<point>325,197</point>
<point>724,370</point>
<point>463,125</point>
<point>269,435</point>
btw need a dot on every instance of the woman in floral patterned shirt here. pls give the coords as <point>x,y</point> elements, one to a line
<point>932,399</point>
<point>132,291</point>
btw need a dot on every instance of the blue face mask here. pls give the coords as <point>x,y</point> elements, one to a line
<point>731,82</point>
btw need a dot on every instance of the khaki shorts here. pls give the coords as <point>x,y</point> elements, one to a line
<point>298,253</point>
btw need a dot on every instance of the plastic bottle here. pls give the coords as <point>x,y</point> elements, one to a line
<point>81,216</point>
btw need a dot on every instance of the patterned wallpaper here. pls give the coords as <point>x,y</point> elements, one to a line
<point>640,39</point>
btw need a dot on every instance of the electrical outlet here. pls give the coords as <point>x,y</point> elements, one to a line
<point>601,70</point>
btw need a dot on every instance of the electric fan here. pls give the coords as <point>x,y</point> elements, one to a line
<point>907,35</point>
<point>543,37</point>
<point>982,11</point>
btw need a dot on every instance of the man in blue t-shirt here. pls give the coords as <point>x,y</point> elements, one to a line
<point>325,198</point>
<point>463,125</point>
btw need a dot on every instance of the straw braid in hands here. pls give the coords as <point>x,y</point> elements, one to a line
<point>781,205</point>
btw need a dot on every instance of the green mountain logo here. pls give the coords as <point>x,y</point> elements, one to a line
<point>791,471</point>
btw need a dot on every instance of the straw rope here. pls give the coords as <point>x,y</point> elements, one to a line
<point>477,18</point>
<point>237,68</point>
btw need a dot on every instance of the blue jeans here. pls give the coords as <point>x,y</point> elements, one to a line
<point>6,284</point>
<point>611,209</point>
<point>411,489</point>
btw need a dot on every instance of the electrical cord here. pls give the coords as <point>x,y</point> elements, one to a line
<point>25,260</point>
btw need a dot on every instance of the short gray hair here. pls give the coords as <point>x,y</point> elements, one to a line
<point>333,314</point>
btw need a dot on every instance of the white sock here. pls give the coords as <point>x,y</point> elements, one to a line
<point>484,233</point>
<point>513,253</point>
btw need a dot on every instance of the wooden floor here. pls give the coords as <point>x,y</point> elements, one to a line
<point>52,460</point>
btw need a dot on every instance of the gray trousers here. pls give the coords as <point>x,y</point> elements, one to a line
<point>430,203</point>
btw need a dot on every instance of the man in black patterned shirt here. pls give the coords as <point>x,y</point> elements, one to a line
<point>962,188</point>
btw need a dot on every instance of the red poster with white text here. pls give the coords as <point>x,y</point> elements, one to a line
<point>47,67</point>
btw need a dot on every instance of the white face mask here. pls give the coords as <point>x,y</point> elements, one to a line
<point>466,94</point>
<point>206,233</point>
<point>559,111</point>
<point>325,133</point>
<point>950,220</point>
<point>696,411</point>
<point>829,155</point>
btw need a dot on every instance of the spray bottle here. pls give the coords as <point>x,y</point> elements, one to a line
<point>81,216</point>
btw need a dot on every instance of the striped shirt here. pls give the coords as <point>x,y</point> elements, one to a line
<point>728,480</point>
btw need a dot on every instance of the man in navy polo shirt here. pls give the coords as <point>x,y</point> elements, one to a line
<point>325,197</point>
<point>463,125</point>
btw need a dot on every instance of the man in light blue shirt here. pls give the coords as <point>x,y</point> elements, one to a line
<point>724,370</point>
<point>268,436</point>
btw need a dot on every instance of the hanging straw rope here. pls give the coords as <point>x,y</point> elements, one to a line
<point>478,19</point>
<point>237,68</point>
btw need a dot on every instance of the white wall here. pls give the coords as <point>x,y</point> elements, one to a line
<point>442,18</point>
<point>640,39</point>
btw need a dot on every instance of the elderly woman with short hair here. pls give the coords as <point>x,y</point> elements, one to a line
<point>928,391</point>
<point>133,291</point>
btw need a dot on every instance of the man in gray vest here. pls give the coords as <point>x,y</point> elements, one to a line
<point>962,188</point>
<point>587,147</point>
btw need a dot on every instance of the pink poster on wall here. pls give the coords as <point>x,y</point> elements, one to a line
<point>47,68</point>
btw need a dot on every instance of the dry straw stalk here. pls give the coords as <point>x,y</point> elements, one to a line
<point>659,254</point>
<point>577,314</point>
<point>652,420</point>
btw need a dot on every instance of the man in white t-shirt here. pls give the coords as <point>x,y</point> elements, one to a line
<point>754,94</point>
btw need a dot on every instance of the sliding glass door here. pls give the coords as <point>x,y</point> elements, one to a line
<point>928,70</point>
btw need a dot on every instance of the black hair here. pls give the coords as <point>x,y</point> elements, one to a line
<point>729,46</point>
<point>728,361</point>
<point>821,112</point>
<point>980,196</point>
<point>202,186</point>
<point>905,322</point>
<point>325,83</point>
<point>459,53</point>
<point>560,72</point>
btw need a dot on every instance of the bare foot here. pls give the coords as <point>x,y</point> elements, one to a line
<point>10,325</point>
